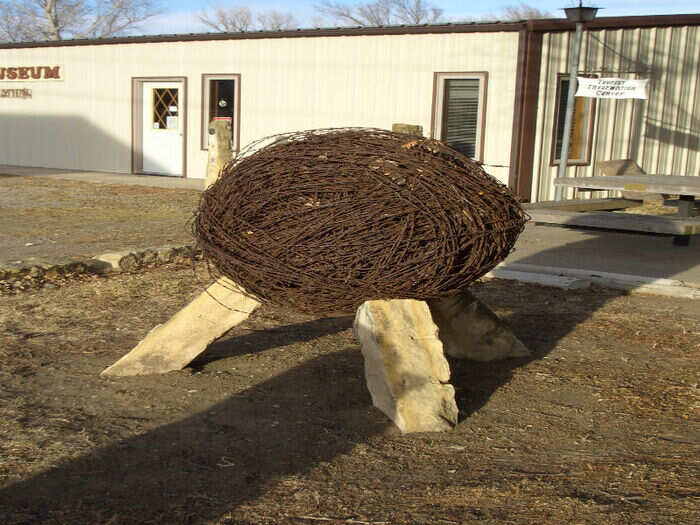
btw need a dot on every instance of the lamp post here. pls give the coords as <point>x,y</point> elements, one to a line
<point>579,15</point>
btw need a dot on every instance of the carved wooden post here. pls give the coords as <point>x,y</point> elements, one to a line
<point>220,149</point>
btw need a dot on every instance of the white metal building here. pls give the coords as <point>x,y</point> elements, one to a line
<point>143,104</point>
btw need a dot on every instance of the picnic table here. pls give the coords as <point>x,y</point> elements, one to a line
<point>681,226</point>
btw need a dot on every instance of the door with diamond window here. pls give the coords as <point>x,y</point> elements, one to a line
<point>163,120</point>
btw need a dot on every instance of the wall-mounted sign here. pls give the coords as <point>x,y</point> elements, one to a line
<point>611,88</point>
<point>29,73</point>
<point>15,93</point>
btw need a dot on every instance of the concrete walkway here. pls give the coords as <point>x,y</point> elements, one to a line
<point>632,254</point>
<point>158,181</point>
<point>637,254</point>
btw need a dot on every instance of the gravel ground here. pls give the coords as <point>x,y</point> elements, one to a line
<point>52,219</point>
<point>273,425</point>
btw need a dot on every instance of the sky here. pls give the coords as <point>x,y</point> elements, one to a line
<point>181,16</point>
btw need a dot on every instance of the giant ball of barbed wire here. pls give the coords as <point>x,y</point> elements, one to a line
<point>324,220</point>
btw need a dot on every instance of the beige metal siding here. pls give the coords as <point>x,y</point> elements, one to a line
<point>84,122</point>
<point>661,134</point>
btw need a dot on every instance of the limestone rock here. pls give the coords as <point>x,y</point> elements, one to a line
<point>75,267</point>
<point>410,129</point>
<point>470,330</point>
<point>173,345</point>
<point>166,254</point>
<point>113,258</point>
<point>97,267</point>
<point>130,262</point>
<point>149,256</point>
<point>405,368</point>
<point>36,272</point>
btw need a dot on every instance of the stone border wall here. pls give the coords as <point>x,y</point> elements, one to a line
<point>34,272</point>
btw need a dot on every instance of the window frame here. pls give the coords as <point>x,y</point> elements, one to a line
<point>436,121</point>
<point>590,109</point>
<point>153,108</point>
<point>236,122</point>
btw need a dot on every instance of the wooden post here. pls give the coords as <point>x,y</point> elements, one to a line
<point>220,151</point>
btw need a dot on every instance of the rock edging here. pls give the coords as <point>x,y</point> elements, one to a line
<point>22,275</point>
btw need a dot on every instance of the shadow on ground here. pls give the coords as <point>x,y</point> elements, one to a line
<point>200,467</point>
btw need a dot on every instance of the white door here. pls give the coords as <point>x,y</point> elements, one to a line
<point>163,113</point>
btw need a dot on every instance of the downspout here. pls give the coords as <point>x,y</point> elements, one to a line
<point>568,121</point>
<point>518,109</point>
<point>522,161</point>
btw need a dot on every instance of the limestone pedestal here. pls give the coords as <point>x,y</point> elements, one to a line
<point>470,330</point>
<point>405,368</point>
<point>402,343</point>
<point>173,345</point>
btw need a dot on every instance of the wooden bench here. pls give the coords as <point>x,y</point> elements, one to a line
<point>534,208</point>
<point>666,224</point>
<point>681,226</point>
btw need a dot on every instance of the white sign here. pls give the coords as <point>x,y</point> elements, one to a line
<point>611,88</point>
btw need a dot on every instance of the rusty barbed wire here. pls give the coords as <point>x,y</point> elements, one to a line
<point>323,220</point>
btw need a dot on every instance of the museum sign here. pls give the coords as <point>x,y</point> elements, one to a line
<point>30,73</point>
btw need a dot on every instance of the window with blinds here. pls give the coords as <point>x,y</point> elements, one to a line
<point>459,112</point>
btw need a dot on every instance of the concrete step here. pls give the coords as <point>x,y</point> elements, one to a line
<point>575,278</point>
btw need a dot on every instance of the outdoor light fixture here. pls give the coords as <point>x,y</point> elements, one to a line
<point>579,15</point>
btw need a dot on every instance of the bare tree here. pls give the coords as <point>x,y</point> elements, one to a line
<point>514,13</point>
<point>277,20</point>
<point>59,19</point>
<point>228,20</point>
<point>381,12</point>
<point>416,12</point>
<point>11,28</point>
<point>235,19</point>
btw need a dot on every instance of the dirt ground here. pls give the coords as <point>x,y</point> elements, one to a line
<point>50,218</point>
<point>274,424</point>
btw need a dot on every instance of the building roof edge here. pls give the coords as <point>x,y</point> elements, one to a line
<point>537,25</point>
<point>475,27</point>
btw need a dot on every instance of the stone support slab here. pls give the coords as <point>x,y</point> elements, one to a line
<point>470,330</point>
<point>402,342</point>
<point>173,345</point>
<point>405,368</point>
